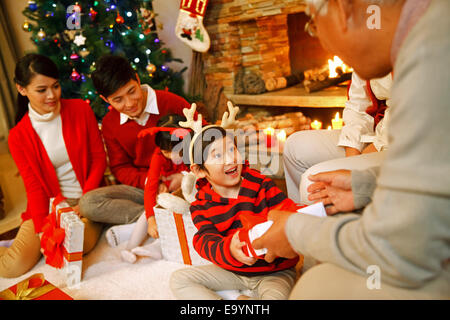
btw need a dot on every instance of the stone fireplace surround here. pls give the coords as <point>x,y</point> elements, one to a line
<point>257,35</point>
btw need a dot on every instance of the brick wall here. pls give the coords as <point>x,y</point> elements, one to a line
<point>250,34</point>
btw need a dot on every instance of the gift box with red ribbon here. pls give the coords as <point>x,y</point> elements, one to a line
<point>255,225</point>
<point>62,240</point>
<point>34,288</point>
<point>176,231</point>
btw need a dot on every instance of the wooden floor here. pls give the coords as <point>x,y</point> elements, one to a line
<point>15,199</point>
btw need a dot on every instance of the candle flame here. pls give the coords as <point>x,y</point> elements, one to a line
<point>337,116</point>
<point>281,135</point>
<point>269,131</point>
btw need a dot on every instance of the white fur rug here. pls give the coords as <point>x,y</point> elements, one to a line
<point>105,276</point>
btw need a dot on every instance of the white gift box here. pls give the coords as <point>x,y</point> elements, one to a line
<point>73,241</point>
<point>176,231</point>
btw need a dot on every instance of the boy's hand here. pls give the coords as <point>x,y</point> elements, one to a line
<point>152,228</point>
<point>236,251</point>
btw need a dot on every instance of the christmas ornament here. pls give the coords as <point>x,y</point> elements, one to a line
<point>70,34</point>
<point>84,52</point>
<point>119,18</point>
<point>26,26</point>
<point>41,34</point>
<point>92,14</point>
<point>74,56</point>
<point>189,27</point>
<point>146,20</point>
<point>151,68</point>
<point>75,76</point>
<point>79,40</point>
<point>32,6</point>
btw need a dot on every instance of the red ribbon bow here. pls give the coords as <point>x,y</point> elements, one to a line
<point>52,241</point>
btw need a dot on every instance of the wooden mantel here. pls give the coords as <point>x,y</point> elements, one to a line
<point>296,96</point>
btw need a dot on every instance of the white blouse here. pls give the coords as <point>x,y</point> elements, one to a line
<point>358,130</point>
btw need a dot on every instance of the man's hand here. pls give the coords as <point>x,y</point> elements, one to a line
<point>275,240</point>
<point>175,181</point>
<point>152,228</point>
<point>333,189</point>
<point>236,251</point>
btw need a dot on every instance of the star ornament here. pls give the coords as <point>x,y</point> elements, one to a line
<point>79,40</point>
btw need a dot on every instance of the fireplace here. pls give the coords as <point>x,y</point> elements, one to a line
<point>267,38</point>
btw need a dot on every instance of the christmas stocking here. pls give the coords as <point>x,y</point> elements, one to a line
<point>189,27</point>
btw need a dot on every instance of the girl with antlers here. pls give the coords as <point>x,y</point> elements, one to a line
<point>230,197</point>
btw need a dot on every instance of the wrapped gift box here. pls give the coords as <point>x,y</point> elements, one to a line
<point>34,288</point>
<point>176,231</point>
<point>72,244</point>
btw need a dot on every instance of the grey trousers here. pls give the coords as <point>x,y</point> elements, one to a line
<point>116,204</point>
<point>202,282</point>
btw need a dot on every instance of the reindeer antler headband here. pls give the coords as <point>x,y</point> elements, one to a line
<point>228,118</point>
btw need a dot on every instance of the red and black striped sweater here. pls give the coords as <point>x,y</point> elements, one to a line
<point>217,219</point>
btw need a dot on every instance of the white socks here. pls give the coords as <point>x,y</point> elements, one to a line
<point>118,234</point>
<point>152,250</point>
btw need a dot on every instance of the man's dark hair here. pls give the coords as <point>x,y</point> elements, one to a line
<point>111,73</point>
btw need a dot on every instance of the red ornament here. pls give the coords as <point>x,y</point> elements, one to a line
<point>74,56</point>
<point>92,14</point>
<point>75,76</point>
<point>119,19</point>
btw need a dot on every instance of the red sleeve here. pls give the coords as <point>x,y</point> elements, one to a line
<point>96,151</point>
<point>210,243</point>
<point>120,163</point>
<point>151,187</point>
<point>37,199</point>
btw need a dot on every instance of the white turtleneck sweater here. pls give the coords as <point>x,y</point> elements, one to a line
<point>49,129</point>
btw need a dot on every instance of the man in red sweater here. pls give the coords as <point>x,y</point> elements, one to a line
<point>135,107</point>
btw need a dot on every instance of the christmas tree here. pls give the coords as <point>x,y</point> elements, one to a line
<point>74,34</point>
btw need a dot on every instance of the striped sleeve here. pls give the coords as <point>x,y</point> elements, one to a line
<point>210,243</point>
<point>275,197</point>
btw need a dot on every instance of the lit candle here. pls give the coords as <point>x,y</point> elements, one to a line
<point>329,128</point>
<point>270,138</point>
<point>316,125</point>
<point>336,122</point>
<point>281,136</point>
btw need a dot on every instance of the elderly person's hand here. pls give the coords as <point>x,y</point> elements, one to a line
<point>275,240</point>
<point>333,189</point>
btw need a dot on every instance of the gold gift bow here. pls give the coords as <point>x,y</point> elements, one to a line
<point>25,293</point>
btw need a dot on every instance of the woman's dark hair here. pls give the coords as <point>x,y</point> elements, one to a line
<point>111,73</point>
<point>164,139</point>
<point>26,68</point>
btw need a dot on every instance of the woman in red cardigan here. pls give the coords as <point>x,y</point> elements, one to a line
<point>58,149</point>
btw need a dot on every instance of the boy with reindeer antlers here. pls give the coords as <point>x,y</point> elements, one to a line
<point>231,199</point>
